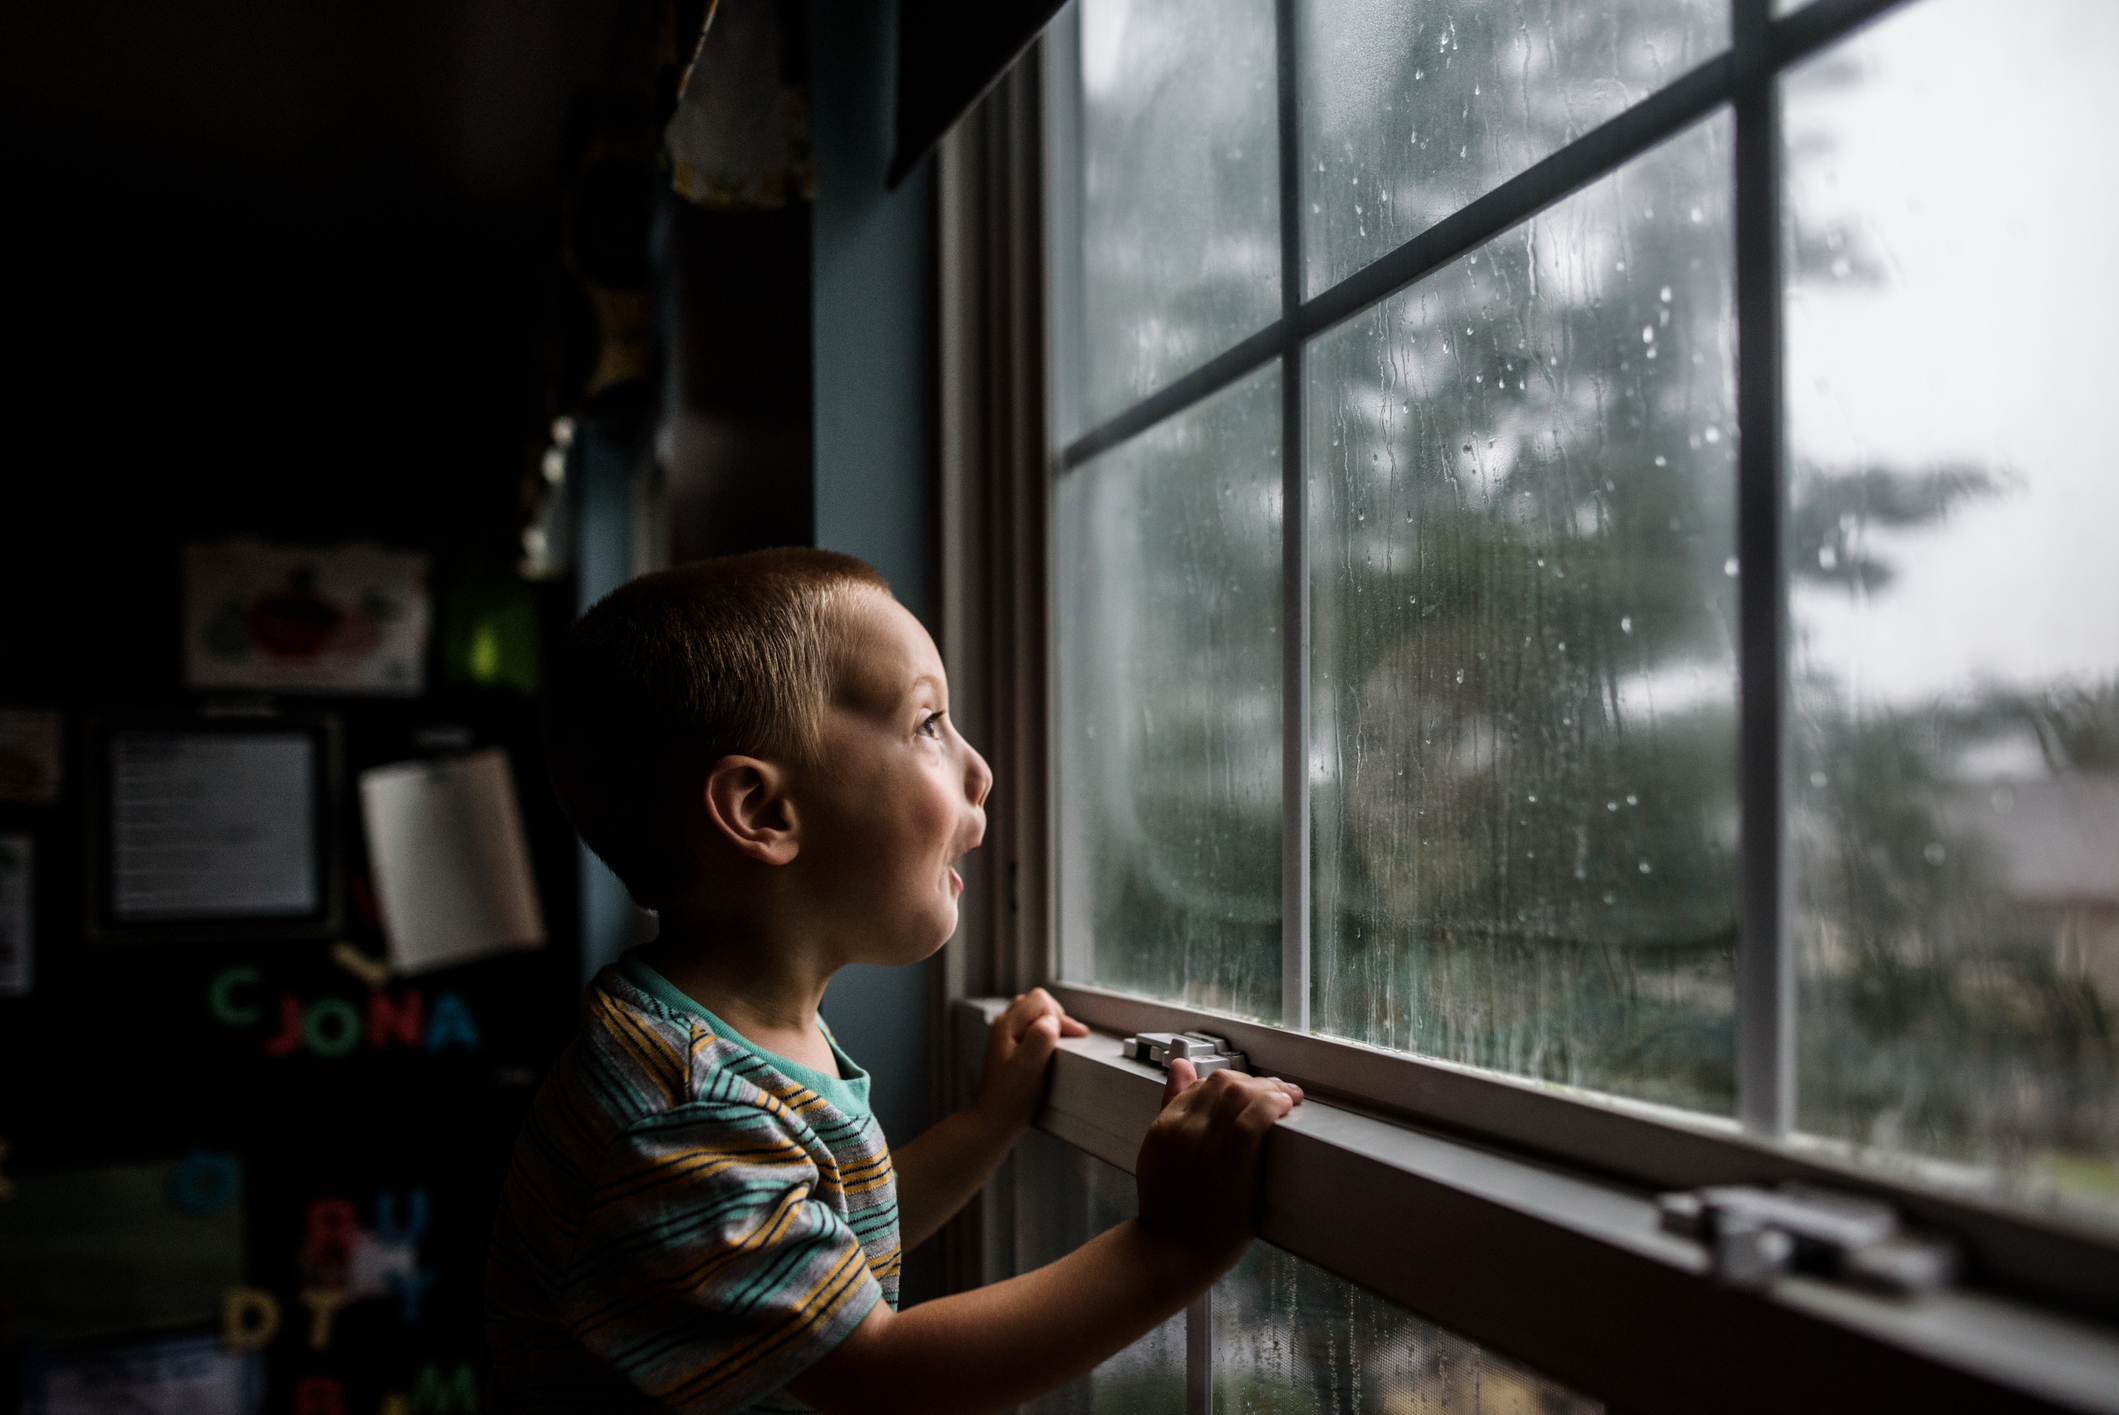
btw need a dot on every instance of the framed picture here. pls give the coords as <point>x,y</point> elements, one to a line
<point>216,829</point>
<point>350,619</point>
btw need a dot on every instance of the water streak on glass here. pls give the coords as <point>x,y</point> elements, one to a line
<point>1413,110</point>
<point>1180,189</point>
<point>1168,605</point>
<point>1522,546</point>
<point>1067,1198</point>
<point>1953,795</point>
<point>1291,1339</point>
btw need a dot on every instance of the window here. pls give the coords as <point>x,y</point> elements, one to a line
<point>1577,595</point>
<point>1410,660</point>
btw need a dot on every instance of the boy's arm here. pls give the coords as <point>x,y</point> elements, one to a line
<point>940,1171</point>
<point>999,1346</point>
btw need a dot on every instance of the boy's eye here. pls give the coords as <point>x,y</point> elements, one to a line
<point>931,725</point>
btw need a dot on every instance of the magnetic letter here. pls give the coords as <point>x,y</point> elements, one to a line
<point>323,1304</point>
<point>205,1183</point>
<point>434,1394</point>
<point>394,1403</point>
<point>290,1035</point>
<point>249,1318</point>
<point>319,1395</point>
<point>221,999</point>
<point>386,1226</point>
<point>412,1291</point>
<point>400,1019</point>
<point>451,1023</point>
<point>330,1232</point>
<point>332,1028</point>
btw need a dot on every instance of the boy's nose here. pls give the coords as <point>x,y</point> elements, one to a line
<point>978,778</point>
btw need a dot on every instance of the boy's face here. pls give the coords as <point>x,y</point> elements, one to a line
<point>896,796</point>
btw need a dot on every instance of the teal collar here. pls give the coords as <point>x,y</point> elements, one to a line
<point>847,1091</point>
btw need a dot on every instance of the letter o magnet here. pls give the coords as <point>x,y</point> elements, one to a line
<point>332,1027</point>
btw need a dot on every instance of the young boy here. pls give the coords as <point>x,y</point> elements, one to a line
<point>701,1213</point>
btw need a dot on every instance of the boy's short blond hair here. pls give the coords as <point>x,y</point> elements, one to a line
<point>670,673</point>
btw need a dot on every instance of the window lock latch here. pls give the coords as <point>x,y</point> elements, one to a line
<point>1159,1049</point>
<point>1757,1234</point>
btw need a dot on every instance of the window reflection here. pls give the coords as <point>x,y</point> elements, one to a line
<point>1291,1339</point>
<point>1065,1198</point>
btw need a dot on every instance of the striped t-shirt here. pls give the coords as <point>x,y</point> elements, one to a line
<point>690,1222</point>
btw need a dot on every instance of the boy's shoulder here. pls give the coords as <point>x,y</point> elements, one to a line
<point>637,1055</point>
<point>637,1058</point>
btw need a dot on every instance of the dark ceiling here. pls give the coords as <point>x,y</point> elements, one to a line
<point>461,101</point>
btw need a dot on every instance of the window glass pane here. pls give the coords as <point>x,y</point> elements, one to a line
<point>1168,587</point>
<point>1522,481</point>
<point>1291,1339</point>
<point>1065,1199</point>
<point>1180,189</point>
<point>1411,111</point>
<point>1953,330</point>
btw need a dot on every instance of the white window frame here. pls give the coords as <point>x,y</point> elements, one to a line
<point>1515,1212</point>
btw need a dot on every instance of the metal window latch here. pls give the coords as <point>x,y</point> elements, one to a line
<point>1757,1234</point>
<point>1159,1049</point>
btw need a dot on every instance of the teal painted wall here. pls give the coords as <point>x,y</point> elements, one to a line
<point>872,325</point>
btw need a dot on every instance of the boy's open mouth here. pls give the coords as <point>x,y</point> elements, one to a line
<point>956,881</point>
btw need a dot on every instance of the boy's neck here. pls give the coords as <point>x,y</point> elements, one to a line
<point>767,989</point>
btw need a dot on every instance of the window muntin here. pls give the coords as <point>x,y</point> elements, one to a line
<point>1168,612</point>
<point>1953,778</point>
<point>1760,1091</point>
<point>1180,189</point>
<point>1412,111</point>
<point>1524,733</point>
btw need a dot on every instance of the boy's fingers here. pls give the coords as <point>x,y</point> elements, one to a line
<point>1069,1027</point>
<point>1183,1077</point>
<point>1042,1039</point>
<point>1232,1092</point>
<point>1267,1109</point>
<point>1024,1012</point>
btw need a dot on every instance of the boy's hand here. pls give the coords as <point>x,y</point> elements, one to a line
<point>1019,1046</point>
<point>1198,1168</point>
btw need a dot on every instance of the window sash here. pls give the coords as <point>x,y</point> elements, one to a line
<point>1570,1274</point>
<point>2045,1257</point>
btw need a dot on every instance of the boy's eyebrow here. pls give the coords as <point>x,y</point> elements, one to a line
<point>930,680</point>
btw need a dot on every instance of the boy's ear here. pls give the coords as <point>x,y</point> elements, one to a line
<point>746,799</point>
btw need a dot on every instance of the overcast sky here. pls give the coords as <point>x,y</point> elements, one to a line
<point>1976,151</point>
